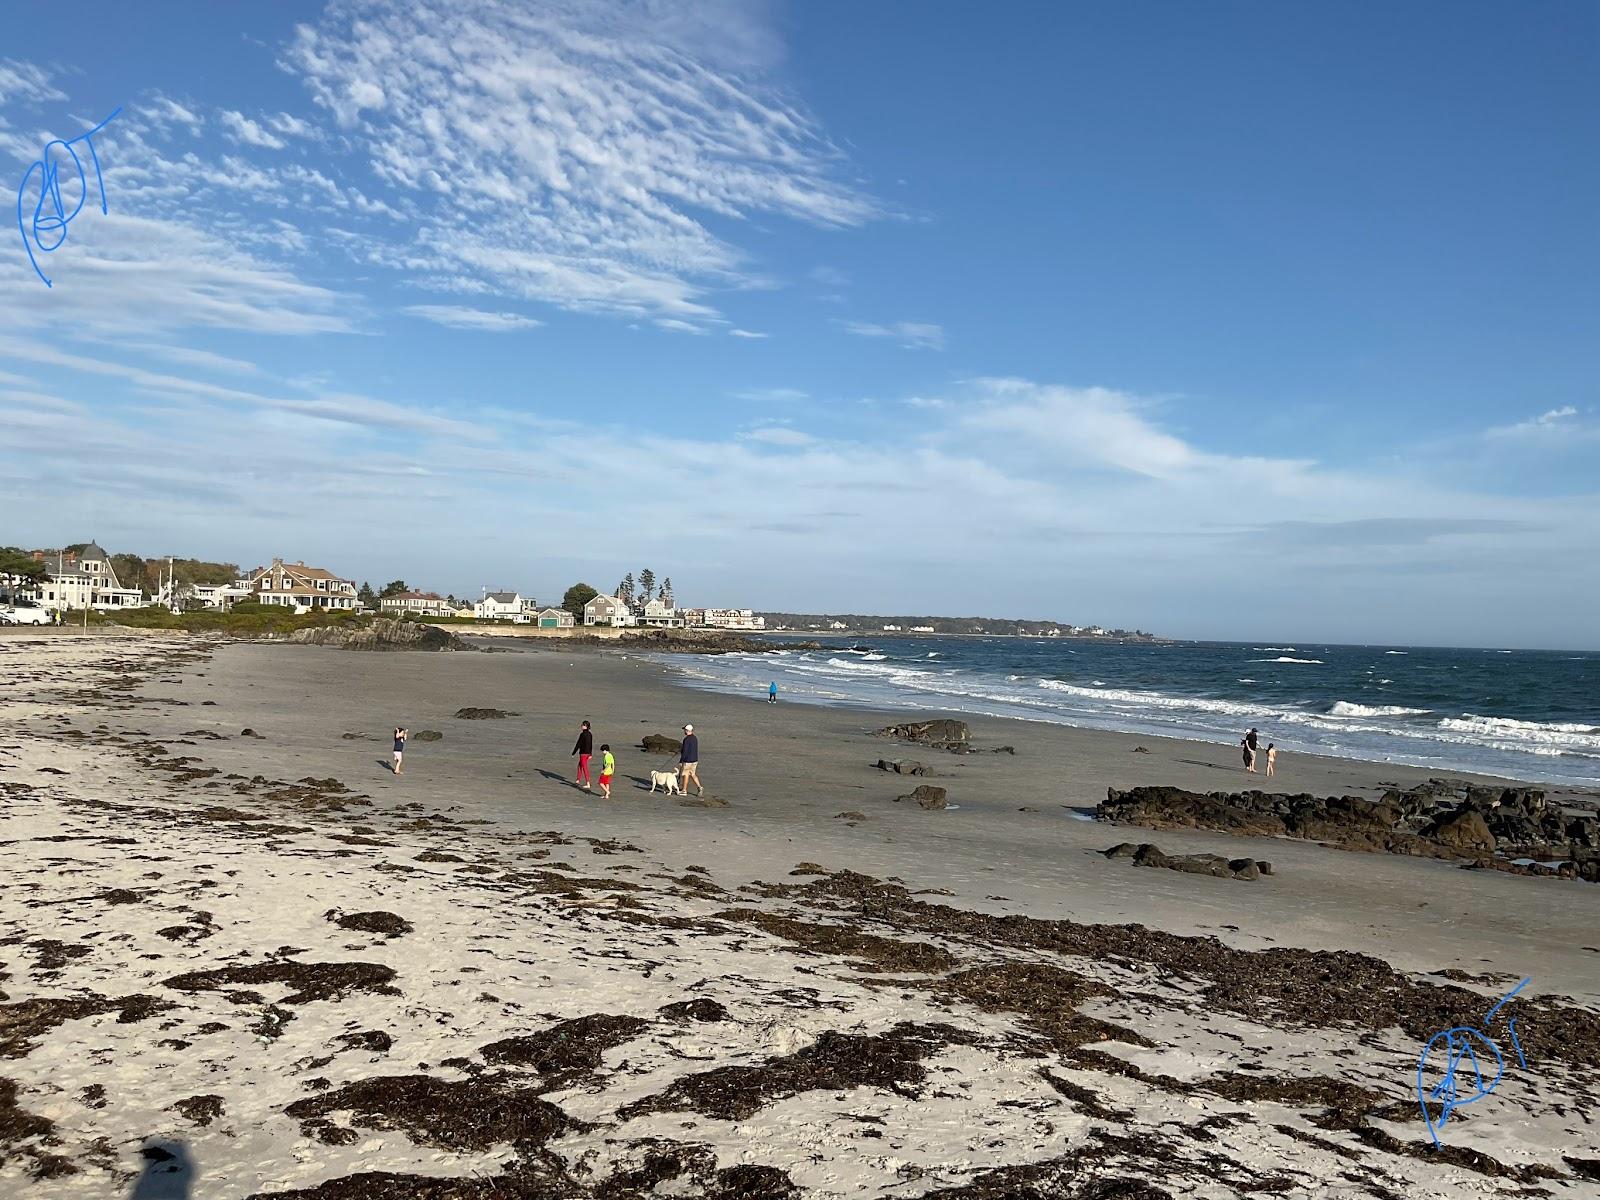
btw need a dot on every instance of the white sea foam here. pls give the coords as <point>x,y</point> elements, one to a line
<point>1395,652</point>
<point>873,657</point>
<point>1315,662</point>
<point>1345,708</point>
<point>1279,649</point>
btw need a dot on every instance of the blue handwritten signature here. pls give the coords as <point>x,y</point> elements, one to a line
<point>51,227</point>
<point>1463,1067</point>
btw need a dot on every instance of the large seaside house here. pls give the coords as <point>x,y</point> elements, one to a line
<point>505,606</point>
<point>607,610</point>
<point>660,615</point>
<point>295,585</point>
<point>556,618</point>
<point>424,604</point>
<point>85,579</point>
<point>732,618</point>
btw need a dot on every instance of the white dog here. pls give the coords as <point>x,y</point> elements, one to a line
<point>667,780</point>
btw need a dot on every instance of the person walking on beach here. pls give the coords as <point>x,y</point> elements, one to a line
<point>400,736</point>
<point>689,762</point>
<point>584,750</point>
<point>1250,744</point>
<point>608,768</point>
<point>1272,759</point>
<point>772,692</point>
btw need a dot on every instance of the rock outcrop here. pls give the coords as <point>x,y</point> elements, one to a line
<point>940,734</point>
<point>1147,855</point>
<point>926,795</point>
<point>1438,819</point>
<point>381,634</point>
<point>902,766</point>
<point>660,743</point>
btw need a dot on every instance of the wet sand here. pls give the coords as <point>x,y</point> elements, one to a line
<point>574,997</point>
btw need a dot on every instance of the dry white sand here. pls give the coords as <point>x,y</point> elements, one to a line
<point>182,1007</point>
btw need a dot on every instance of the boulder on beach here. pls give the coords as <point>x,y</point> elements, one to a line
<point>427,735</point>
<point>481,714</point>
<point>941,734</point>
<point>926,795</point>
<point>1148,855</point>
<point>902,766</point>
<point>660,743</point>
<point>1464,831</point>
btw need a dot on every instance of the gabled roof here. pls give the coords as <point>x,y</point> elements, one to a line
<point>503,597</point>
<point>415,596</point>
<point>604,601</point>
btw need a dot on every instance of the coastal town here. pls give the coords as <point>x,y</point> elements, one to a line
<point>41,586</point>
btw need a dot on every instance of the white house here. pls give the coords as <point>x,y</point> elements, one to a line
<point>660,615</point>
<point>837,625</point>
<point>891,629</point>
<point>506,606</point>
<point>423,604</point>
<point>733,618</point>
<point>84,580</point>
<point>221,595</point>
<point>922,629</point>
<point>302,588</point>
<point>607,610</point>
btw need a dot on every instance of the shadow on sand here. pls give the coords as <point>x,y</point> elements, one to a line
<point>168,1172</point>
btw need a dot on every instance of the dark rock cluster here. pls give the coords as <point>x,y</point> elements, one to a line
<point>1437,819</point>
<point>1147,855</point>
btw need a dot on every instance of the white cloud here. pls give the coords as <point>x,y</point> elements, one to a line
<point>120,274</point>
<point>778,435</point>
<point>1553,425</point>
<point>292,126</point>
<point>570,152</point>
<point>457,317</point>
<point>242,129</point>
<point>912,335</point>
<point>747,333</point>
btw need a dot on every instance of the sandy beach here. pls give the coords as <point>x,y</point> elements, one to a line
<point>259,964</point>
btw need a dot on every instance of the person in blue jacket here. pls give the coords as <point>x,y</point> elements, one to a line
<point>772,692</point>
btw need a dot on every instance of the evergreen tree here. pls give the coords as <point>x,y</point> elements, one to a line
<point>367,596</point>
<point>625,589</point>
<point>647,585</point>
<point>666,592</point>
<point>393,588</point>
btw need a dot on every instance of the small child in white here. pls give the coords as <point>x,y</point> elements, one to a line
<point>400,735</point>
<point>1272,759</point>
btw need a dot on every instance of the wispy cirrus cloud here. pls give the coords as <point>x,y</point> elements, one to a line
<point>584,144</point>
<point>458,317</point>
<point>912,335</point>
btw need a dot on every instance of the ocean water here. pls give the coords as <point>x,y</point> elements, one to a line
<point>1527,714</point>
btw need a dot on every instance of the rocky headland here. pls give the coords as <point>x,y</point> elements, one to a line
<point>1482,826</point>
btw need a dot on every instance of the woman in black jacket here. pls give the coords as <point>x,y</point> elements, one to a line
<point>583,750</point>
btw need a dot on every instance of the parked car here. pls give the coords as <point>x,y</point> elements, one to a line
<point>23,613</point>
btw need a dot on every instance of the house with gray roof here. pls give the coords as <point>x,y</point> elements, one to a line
<point>83,579</point>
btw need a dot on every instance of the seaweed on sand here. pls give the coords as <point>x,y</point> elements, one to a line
<point>311,981</point>
<point>873,952</point>
<point>834,1062</point>
<point>568,1052</point>
<point>472,1114</point>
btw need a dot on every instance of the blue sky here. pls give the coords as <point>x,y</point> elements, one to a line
<point>1219,320</point>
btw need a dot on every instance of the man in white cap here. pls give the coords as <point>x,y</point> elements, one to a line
<point>689,762</point>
